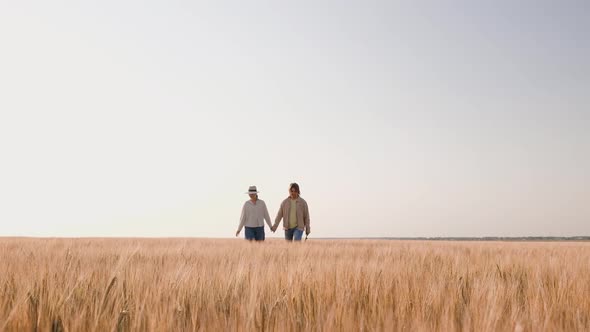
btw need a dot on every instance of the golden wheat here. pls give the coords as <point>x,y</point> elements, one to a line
<point>198,284</point>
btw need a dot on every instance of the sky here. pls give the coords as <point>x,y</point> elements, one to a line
<point>396,118</point>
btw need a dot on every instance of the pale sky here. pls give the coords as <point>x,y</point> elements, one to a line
<point>397,118</point>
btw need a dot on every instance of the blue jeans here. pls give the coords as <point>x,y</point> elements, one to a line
<point>293,234</point>
<point>254,233</point>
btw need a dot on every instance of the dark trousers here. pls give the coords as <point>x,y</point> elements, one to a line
<point>254,233</point>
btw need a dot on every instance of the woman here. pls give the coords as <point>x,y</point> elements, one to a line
<point>254,212</point>
<point>295,215</point>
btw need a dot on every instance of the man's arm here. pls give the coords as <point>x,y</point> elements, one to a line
<point>267,216</point>
<point>242,220</point>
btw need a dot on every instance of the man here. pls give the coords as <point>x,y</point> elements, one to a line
<point>295,215</point>
<point>254,212</point>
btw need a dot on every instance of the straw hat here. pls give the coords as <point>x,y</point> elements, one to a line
<point>252,190</point>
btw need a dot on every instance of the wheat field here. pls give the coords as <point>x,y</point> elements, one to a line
<point>318,285</point>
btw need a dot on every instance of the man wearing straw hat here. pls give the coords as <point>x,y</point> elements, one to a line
<point>254,212</point>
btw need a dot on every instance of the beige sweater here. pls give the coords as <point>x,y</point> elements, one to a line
<point>302,214</point>
<point>253,215</point>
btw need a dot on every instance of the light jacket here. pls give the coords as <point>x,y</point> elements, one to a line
<point>302,214</point>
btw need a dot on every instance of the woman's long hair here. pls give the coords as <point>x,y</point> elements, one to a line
<point>295,186</point>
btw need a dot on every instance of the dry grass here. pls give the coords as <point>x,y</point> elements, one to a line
<point>188,284</point>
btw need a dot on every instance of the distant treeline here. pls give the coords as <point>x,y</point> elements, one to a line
<point>521,238</point>
<point>486,238</point>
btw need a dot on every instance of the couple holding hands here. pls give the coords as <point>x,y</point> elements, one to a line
<point>293,211</point>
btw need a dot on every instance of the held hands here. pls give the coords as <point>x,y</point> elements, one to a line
<point>273,228</point>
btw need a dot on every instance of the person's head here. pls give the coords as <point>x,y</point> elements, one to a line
<point>253,193</point>
<point>294,190</point>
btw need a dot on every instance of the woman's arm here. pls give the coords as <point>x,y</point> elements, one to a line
<point>278,218</point>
